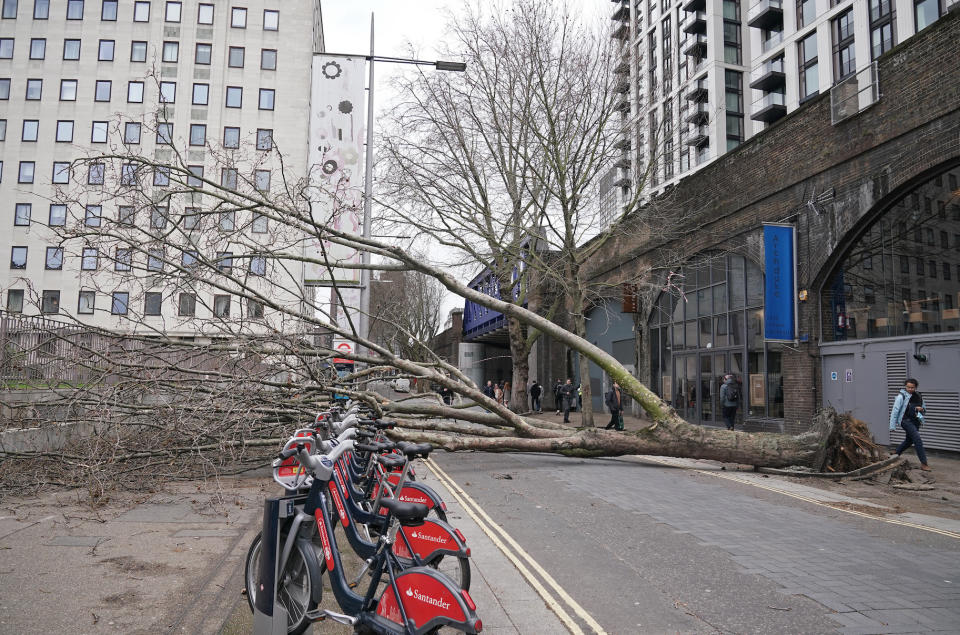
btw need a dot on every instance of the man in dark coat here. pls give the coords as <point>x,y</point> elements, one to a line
<point>614,402</point>
<point>557,399</point>
<point>568,395</point>
<point>535,392</point>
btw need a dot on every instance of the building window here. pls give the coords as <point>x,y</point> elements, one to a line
<point>238,18</point>
<point>228,221</point>
<point>258,265</point>
<point>71,49</point>
<point>34,89</point>
<point>168,92</point>
<point>9,9</point>
<point>98,132</point>
<point>234,96</point>
<point>4,88</point>
<point>141,11</point>
<point>731,32</point>
<point>58,215</point>
<point>61,172</point>
<point>173,11</point>
<point>266,98</point>
<point>158,218</point>
<point>138,51</point>
<point>161,176</point>
<point>86,302</point>
<point>68,90</point>
<point>225,261</point>
<point>120,303</point>
<point>41,9</point>
<point>187,305</point>
<point>90,259</point>
<point>50,302</point>
<point>128,174</point>
<point>191,218</point>
<point>104,87</point>
<point>38,48</point>
<point>15,301</point>
<point>3,129</point>
<point>221,306</point>
<point>195,176</point>
<point>54,258</point>
<point>844,57</point>
<point>205,14</point>
<point>105,51</point>
<point>165,134</point>
<point>124,259</point>
<point>201,94</point>
<point>18,257</point>
<point>27,169</point>
<point>152,301</point>
<point>231,137</point>
<point>171,52</point>
<point>108,12</point>
<point>259,224</point>
<point>264,139</point>
<point>93,216</point>
<point>126,215</point>
<point>809,73</point>
<point>203,54</point>
<point>155,259</point>
<point>21,214</point>
<point>882,27</point>
<point>198,134</point>
<point>254,309</point>
<point>6,48</point>
<point>268,59</point>
<point>271,20</point>
<point>135,92</point>
<point>925,13</point>
<point>30,130</point>
<point>261,180</point>
<point>734,107</point>
<point>131,132</point>
<point>228,179</point>
<point>74,9</point>
<point>806,12</point>
<point>235,57</point>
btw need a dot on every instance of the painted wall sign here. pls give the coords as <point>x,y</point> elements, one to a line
<point>834,376</point>
<point>780,293</point>
<point>849,375</point>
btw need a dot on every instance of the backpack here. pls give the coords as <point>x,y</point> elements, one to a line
<point>733,392</point>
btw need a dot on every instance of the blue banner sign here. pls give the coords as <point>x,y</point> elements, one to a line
<point>780,308</point>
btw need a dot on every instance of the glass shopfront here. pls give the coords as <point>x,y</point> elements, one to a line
<point>707,323</point>
<point>902,276</point>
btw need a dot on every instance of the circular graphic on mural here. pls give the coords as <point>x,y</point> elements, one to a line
<point>350,155</point>
<point>346,107</point>
<point>331,70</point>
<point>329,166</point>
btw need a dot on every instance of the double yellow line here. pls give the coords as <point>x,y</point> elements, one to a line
<point>521,559</point>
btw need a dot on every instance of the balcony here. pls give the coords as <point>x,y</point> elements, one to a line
<point>621,32</point>
<point>696,46</point>
<point>766,14</point>
<point>769,76</point>
<point>698,92</point>
<point>621,12</point>
<point>623,68</point>
<point>622,85</point>
<point>769,108</point>
<point>772,42</point>
<point>699,139</point>
<point>695,5</point>
<point>696,22</point>
<point>698,116</point>
<point>623,105</point>
<point>622,144</point>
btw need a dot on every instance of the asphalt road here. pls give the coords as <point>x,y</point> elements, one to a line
<point>647,548</point>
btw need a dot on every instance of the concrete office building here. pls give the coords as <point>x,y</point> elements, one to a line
<point>699,77</point>
<point>85,77</point>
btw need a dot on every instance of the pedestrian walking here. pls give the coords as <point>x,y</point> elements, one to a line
<point>730,399</point>
<point>507,397</point>
<point>498,393</point>
<point>488,390</point>
<point>907,412</point>
<point>535,391</point>
<point>568,395</point>
<point>614,402</point>
<point>557,396</point>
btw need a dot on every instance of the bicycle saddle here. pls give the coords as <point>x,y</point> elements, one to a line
<point>409,514</point>
<point>391,461</point>
<point>414,450</point>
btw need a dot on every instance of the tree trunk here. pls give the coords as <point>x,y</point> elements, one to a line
<point>520,354</point>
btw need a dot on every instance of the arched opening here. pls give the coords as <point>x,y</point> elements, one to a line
<point>901,276</point>
<point>708,321</point>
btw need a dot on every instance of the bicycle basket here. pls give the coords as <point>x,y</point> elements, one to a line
<point>288,472</point>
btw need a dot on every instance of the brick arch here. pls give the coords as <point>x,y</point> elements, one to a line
<point>865,221</point>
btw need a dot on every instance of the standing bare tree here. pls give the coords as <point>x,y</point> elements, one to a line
<point>405,312</point>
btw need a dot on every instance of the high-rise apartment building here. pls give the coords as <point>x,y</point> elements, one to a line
<point>222,86</point>
<point>699,77</point>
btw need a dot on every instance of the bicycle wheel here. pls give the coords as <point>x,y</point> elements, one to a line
<point>294,590</point>
<point>457,568</point>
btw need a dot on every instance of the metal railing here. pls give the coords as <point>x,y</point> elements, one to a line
<point>770,99</point>
<point>774,65</point>
<point>763,5</point>
<point>854,94</point>
<point>774,41</point>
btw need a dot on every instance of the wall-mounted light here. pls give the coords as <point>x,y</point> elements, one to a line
<point>920,357</point>
<point>802,295</point>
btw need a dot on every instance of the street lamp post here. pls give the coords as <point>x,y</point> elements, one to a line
<point>440,65</point>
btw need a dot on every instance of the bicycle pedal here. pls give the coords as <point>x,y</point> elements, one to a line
<point>320,615</point>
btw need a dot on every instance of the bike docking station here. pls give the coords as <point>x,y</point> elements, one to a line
<point>269,616</point>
